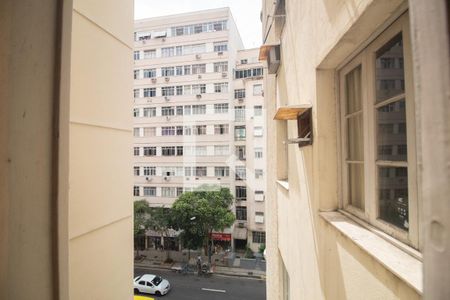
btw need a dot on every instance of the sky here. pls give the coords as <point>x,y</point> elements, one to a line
<point>245,13</point>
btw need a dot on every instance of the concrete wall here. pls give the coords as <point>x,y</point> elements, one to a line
<point>65,111</point>
<point>321,261</point>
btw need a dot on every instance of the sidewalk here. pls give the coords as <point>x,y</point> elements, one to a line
<point>226,264</point>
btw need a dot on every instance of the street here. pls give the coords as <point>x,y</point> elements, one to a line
<point>215,287</point>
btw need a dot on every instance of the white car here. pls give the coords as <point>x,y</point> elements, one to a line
<point>151,284</point>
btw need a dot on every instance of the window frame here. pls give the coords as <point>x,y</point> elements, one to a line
<point>367,59</point>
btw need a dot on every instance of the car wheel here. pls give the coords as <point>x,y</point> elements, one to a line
<point>158,293</point>
<point>136,291</point>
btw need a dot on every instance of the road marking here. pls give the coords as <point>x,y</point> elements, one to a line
<point>213,290</point>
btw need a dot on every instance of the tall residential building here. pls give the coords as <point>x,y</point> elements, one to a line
<point>357,116</point>
<point>198,106</point>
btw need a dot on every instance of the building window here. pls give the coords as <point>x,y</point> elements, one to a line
<point>241,213</point>
<point>221,129</point>
<point>167,52</point>
<point>150,92</point>
<point>258,173</point>
<point>220,150</point>
<point>240,152</point>
<point>258,131</point>
<point>198,89</point>
<point>136,112</point>
<point>149,171</point>
<point>387,199</point>
<point>168,91</point>
<point>167,111</point>
<point>239,94</point>
<point>180,130</point>
<point>149,151</point>
<point>239,133</point>
<point>239,113</point>
<point>200,171</point>
<point>259,217</point>
<point>243,61</point>
<point>136,191</point>
<point>259,195</point>
<point>179,70</point>
<point>167,71</point>
<point>247,73</point>
<point>187,70</point>
<point>168,151</point>
<point>149,54</point>
<point>220,46</point>
<point>199,69</point>
<point>169,192</point>
<point>167,130</point>
<point>149,112</point>
<point>136,151</point>
<point>150,191</point>
<point>149,131</point>
<point>221,66</point>
<point>221,171</point>
<point>136,132</point>
<point>137,55</point>
<point>221,87</point>
<point>258,152</point>
<point>240,173</point>
<point>200,151</point>
<point>136,170</point>
<point>149,73</point>
<point>136,74</point>
<point>259,237</point>
<point>257,89</point>
<point>199,109</point>
<point>136,93</point>
<point>221,108</point>
<point>179,150</point>
<point>257,109</point>
<point>241,193</point>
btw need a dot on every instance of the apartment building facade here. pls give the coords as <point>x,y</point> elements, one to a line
<point>356,188</point>
<point>185,130</point>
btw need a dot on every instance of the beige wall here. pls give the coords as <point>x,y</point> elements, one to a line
<point>100,207</point>
<point>322,262</point>
<point>65,111</point>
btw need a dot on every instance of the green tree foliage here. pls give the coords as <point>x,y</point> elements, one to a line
<point>141,220</point>
<point>201,212</point>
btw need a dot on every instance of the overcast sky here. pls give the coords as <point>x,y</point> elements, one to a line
<point>245,13</point>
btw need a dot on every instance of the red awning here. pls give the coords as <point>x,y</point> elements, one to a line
<point>221,236</point>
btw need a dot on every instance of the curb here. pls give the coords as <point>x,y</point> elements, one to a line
<point>157,267</point>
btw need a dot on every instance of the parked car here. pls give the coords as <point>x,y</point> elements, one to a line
<point>151,284</point>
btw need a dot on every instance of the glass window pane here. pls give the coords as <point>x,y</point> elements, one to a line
<point>353,90</point>
<point>391,132</point>
<point>390,75</point>
<point>393,195</point>
<point>356,185</point>
<point>355,138</point>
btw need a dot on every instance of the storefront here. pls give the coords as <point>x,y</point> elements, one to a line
<point>221,242</point>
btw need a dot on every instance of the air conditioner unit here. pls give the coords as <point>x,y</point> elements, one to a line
<point>198,56</point>
<point>149,100</point>
<point>148,178</point>
<point>167,118</point>
<point>198,96</point>
<point>199,76</point>
<point>163,39</point>
<point>241,225</point>
<point>241,99</point>
<point>167,178</point>
<point>167,79</point>
<point>154,80</point>
<point>167,98</point>
<point>224,74</point>
<point>196,178</point>
<point>219,178</point>
<point>220,53</point>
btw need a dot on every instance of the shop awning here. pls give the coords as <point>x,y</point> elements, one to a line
<point>219,236</point>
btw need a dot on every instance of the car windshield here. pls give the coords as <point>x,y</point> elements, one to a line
<point>137,278</point>
<point>157,280</point>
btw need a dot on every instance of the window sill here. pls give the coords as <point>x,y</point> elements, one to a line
<point>284,184</point>
<point>396,260</point>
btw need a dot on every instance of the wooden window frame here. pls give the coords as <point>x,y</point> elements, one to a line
<point>367,58</point>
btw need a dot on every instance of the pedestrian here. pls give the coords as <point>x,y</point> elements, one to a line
<point>199,265</point>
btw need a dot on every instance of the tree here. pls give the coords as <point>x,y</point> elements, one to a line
<point>201,212</point>
<point>141,220</point>
<point>159,221</point>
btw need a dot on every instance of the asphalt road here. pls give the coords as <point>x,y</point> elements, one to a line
<point>192,287</point>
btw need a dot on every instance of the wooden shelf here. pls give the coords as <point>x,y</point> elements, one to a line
<point>291,112</point>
